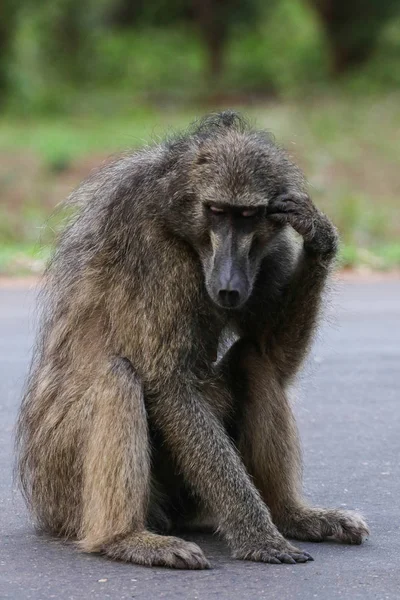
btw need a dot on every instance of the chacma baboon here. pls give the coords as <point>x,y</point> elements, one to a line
<point>130,428</point>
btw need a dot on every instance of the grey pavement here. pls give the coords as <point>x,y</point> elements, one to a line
<point>348,409</point>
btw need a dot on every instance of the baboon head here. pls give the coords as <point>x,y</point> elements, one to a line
<point>233,172</point>
<point>238,236</point>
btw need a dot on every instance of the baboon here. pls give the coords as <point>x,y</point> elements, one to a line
<point>137,420</point>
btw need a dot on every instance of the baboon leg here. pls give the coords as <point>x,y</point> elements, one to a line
<point>116,478</point>
<point>202,522</point>
<point>268,440</point>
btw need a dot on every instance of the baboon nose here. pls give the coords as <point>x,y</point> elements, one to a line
<point>229,298</point>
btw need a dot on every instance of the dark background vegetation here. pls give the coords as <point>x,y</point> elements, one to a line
<point>82,79</point>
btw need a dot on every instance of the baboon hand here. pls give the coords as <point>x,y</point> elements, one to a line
<point>318,524</point>
<point>154,550</point>
<point>298,210</point>
<point>275,550</point>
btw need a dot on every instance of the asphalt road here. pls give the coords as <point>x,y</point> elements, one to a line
<point>348,407</point>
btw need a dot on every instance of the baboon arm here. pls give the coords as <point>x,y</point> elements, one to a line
<point>292,325</point>
<point>210,463</point>
<point>282,316</point>
<point>267,436</point>
<point>288,338</point>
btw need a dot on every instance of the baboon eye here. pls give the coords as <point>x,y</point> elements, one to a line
<point>217,210</point>
<point>249,212</point>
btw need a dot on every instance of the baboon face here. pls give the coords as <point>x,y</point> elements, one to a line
<point>232,180</point>
<point>237,238</point>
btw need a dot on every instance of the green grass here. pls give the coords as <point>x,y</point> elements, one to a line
<point>30,259</point>
<point>380,258</point>
<point>23,259</point>
<point>60,140</point>
<point>348,147</point>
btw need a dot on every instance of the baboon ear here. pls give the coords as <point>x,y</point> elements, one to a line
<point>203,158</point>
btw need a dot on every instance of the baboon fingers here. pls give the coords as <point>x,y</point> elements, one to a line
<point>276,551</point>
<point>150,549</point>
<point>318,524</point>
<point>348,527</point>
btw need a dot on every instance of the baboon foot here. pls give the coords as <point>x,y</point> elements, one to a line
<point>317,525</point>
<point>276,551</point>
<point>150,549</point>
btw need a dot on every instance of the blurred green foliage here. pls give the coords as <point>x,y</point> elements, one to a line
<point>56,53</point>
<point>80,79</point>
<point>353,29</point>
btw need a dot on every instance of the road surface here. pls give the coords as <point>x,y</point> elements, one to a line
<point>348,408</point>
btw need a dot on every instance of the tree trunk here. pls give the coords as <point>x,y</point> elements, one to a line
<point>209,17</point>
<point>352,28</point>
<point>8,12</point>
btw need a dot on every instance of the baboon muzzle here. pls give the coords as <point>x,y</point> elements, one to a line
<point>230,274</point>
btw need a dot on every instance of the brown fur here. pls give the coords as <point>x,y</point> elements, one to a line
<point>128,427</point>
